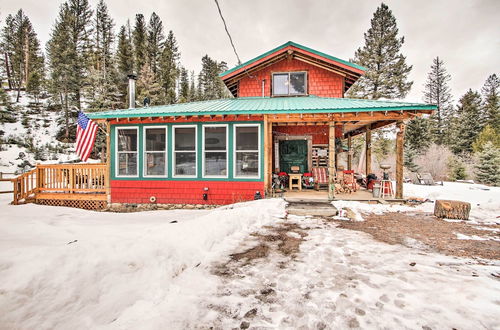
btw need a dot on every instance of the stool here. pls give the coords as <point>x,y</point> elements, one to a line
<point>385,189</point>
<point>295,177</point>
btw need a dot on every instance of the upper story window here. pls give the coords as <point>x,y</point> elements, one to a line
<point>289,83</point>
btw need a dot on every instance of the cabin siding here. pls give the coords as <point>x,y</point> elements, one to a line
<point>183,192</point>
<point>320,82</point>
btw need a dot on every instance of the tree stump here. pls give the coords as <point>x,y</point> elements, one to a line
<point>452,209</point>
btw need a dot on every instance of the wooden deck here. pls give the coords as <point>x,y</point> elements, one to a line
<point>76,185</point>
<point>362,195</point>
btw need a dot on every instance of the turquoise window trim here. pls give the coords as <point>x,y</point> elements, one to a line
<point>199,152</point>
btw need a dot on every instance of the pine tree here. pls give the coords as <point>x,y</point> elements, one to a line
<point>209,85</point>
<point>23,56</point>
<point>387,71</point>
<point>491,101</point>
<point>103,39</point>
<point>155,42</point>
<point>418,135</point>
<point>125,63</point>
<point>488,169</point>
<point>184,86</point>
<point>488,134</point>
<point>465,127</point>
<point>148,86</point>
<point>409,160</point>
<point>140,42</point>
<point>168,68</point>
<point>192,88</point>
<point>456,169</point>
<point>437,92</point>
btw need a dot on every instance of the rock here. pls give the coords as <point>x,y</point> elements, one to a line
<point>413,264</point>
<point>251,313</point>
<point>245,325</point>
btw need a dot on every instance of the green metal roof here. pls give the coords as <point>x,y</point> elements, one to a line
<point>291,43</point>
<point>263,105</point>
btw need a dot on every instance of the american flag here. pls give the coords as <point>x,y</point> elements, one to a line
<point>85,136</point>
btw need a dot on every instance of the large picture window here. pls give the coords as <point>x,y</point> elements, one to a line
<point>155,155</point>
<point>289,83</point>
<point>185,151</point>
<point>215,151</point>
<point>247,151</point>
<point>127,151</point>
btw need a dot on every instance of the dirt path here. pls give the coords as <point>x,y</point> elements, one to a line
<point>305,273</point>
<point>428,232</point>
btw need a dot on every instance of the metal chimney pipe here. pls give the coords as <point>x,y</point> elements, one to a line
<point>131,90</point>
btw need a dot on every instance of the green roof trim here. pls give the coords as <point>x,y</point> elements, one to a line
<point>291,43</point>
<point>263,105</point>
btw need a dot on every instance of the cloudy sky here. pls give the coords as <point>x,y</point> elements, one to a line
<point>465,33</point>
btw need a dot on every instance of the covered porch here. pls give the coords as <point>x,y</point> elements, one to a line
<point>319,140</point>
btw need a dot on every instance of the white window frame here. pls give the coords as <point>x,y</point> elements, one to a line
<point>185,151</point>
<point>289,72</point>
<point>145,152</point>
<point>117,153</point>
<point>235,151</point>
<point>215,151</point>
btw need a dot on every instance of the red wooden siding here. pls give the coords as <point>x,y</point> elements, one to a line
<point>319,133</point>
<point>183,192</point>
<point>320,82</point>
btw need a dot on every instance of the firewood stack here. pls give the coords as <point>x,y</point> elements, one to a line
<point>452,209</point>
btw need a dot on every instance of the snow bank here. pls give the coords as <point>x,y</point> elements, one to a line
<point>72,269</point>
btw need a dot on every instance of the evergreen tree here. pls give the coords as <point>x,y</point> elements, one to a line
<point>456,169</point>
<point>488,134</point>
<point>103,39</point>
<point>155,42</point>
<point>168,70</point>
<point>125,63</point>
<point>418,135</point>
<point>184,86</point>
<point>23,56</point>
<point>210,87</point>
<point>488,169</point>
<point>148,86</point>
<point>466,126</point>
<point>437,92</point>
<point>491,101</point>
<point>192,88</point>
<point>140,42</point>
<point>409,160</point>
<point>387,71</point>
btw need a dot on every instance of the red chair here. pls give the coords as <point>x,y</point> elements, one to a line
<point>349,179</point>
<point>320,175</point>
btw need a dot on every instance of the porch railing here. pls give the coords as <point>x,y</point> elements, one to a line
<point>63,179</point>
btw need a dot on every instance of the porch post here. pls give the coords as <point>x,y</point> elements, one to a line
<point>107,176</point>
<point>368,148</point>
<point>349,152</point>
<point>399,158</point>
<point>268,154</point>
<point>331,161</point>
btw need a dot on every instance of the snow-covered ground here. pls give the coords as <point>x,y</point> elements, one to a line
<point>484,200</point>
<point>64,268</point>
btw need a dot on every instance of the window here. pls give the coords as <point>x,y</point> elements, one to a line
<point>289,83</point>
<point>127,151</point>
<point>247,151</point>
<point>185,151</point>
<point>155,156</point>
<point>215,151</point>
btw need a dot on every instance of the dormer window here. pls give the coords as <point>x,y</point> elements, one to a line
<point>289,83</point>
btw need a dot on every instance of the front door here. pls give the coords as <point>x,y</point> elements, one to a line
<point>293,153</point>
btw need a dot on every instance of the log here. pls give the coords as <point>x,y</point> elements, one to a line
<point>452,209</point>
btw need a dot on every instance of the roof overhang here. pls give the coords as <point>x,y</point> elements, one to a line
<point>290,50</point>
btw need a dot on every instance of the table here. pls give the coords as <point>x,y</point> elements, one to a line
<point>297,177</point>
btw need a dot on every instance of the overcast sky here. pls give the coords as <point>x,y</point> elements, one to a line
<point>465,33</point>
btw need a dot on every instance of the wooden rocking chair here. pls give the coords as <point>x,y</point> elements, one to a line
<point>320,176</point>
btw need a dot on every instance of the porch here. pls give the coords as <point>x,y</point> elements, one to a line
<point>76,185</point>
<point>319,140</point>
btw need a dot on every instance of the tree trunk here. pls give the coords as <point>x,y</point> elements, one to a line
<point>452,209</point>
<point>7,69</point>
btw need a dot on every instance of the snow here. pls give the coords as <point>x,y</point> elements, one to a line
<point>118,265</point>
<point>485,204</point>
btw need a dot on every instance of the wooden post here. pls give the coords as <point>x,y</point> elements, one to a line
<point>399,158</point>
<point>368,148</point>
<point>331,161</point>
<point>349,153</point>
<point>107,175</point>
<point>268,156</point>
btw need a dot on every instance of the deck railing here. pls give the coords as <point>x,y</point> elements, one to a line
<point>61,179</point>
